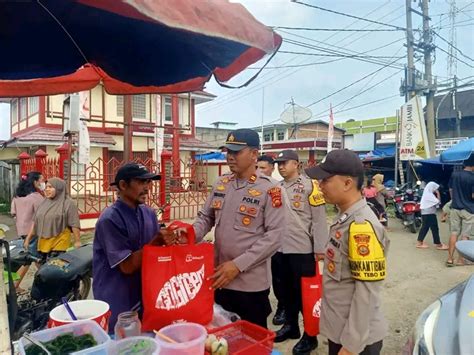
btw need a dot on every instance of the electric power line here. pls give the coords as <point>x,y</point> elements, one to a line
<point>348,15</point>
<point>460,60</point>
<point>346,87</point>
<point>333,29</point>
<point>336,55</point>
<point>451,45</point>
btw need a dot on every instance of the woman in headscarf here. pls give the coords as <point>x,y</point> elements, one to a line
<point>55,219</point>
<point>429,204</point>
<point>377,182</point>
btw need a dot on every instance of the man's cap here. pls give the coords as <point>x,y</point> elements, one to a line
<point>266,158</point>
<point>286,155</point>
<point>241,138</point>
<point>337,162</point>
<point>133,171</point>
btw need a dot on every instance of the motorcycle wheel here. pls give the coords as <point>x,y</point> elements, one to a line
<point>82,289</point>
<point>413,228</point>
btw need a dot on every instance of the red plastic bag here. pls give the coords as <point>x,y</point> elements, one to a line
<point>312,292</point>
<point>174,283</point>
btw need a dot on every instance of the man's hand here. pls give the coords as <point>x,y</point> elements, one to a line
<point>165,237</point>
<point>77,244</point>
<point>26,244</point>
<point>443,218</point>
<point>344,351</point>
<point>224,274</point>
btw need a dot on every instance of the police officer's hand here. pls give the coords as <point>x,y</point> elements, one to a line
<point>344,351</point>
<point>224,274</point>
<point>318,256</point>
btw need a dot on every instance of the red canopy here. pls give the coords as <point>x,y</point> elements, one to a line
<point>216,38</point>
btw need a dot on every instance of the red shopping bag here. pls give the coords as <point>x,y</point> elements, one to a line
<point>174,283</point>
<point>312,293</point>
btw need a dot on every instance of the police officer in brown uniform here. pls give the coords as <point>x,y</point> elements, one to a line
<point>304,240</point>
<point>354,265</point>
<point>246,209</point>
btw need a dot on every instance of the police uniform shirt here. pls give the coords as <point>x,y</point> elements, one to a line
<point>306,230</point>
<point>354,266</point>
<point>249,221</point>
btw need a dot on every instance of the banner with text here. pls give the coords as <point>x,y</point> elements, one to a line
<point>413,137</point>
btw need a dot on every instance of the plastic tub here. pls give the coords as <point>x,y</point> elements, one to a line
<point>190,338</point>
<point>134,345</point>
<point>98,311</point>
<point>77,328</point>
<point>245,338</point>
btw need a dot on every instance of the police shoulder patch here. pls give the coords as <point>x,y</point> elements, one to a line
<point>275,194</point>
<point>366,253</point>
<point>316,197</point>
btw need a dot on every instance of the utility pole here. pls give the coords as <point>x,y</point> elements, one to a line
<point>410,70</point>
<point>428,48</point>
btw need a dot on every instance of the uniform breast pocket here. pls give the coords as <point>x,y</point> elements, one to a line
<point>247,217</point>
<point>333,262</point>
<point>217,204</point>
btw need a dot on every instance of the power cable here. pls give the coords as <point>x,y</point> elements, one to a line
<point>336,55</point>
<point>332,29</point>
<point>346,87</point>
<point>460,60</point>
<point>329,37</point>
<point>452,46</point>
<point>348,15</point>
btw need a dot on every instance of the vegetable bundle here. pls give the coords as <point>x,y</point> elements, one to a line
<point>63,344</point>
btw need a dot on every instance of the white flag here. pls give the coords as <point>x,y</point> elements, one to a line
<point>414,139</point>
<point>84,140</point>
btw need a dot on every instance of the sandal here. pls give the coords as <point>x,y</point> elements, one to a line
<point>442,247</point>
<point>422,246</point>
<point>449,263</point>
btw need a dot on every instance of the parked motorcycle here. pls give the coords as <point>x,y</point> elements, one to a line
<point>411,212</point>
<point>66,275</point>
<point>445,327</point>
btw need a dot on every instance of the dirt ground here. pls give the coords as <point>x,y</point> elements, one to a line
<point>416,277</point>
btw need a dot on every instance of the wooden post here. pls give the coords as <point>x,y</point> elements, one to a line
<point>176,131</point>
<point>128,129</point>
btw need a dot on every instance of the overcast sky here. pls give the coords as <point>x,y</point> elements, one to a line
<point>309,83</point>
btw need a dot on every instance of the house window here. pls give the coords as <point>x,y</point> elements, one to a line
<point>139,106</point>
<point>119,106</point>
<point>167,109</point>
<point>184,114</point>
<point>23,106</point>
<point>33,105</point>
<point>281,135</point>
<point>268,137</point>
<point>14,111</point>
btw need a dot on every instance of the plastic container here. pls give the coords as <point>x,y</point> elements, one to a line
<point>190,338</point>
<point>98,311</point>
<point>134,345</point>
<point>245,338</point>
<point>77,328</point>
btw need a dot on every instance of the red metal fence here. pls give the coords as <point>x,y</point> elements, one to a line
<point>185,194</point>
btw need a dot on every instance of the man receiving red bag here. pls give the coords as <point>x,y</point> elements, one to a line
<point>121,232</point>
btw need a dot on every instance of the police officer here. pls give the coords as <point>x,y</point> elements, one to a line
<point>354,264</point>
<point>303,241</point>
<point>266,165</point>
<point>246,209</point>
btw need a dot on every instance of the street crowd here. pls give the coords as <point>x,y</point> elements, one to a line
<point>268,234</point>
